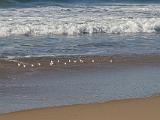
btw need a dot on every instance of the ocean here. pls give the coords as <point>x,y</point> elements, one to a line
<point>114,46</point>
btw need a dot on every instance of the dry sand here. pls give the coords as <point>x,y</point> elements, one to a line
<point>134,109</point>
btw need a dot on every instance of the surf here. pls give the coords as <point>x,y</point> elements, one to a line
<point>79,20</point>
<point>8,3</point>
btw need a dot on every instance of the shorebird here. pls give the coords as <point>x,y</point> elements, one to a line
<point>81,61</point>
<point>51,63</point>
<point>39,64</point>
<point>92,61</point>
<point>32,65</point>
<point>69,60</point>
<point>111,61</point>
<point>24,66</point>
<point>74,61</point>
<point>19,64</point>
<point>65,63</point>
<point>58,61</point>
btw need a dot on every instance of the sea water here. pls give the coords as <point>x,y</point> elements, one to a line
<point>96,44</point>
<point>77,85</point>
<point>52,28</point>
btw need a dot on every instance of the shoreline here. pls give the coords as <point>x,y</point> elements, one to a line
<point>74,83</point>
<point>76,60</point>
<point>50,63</point>
<point>136,108</point>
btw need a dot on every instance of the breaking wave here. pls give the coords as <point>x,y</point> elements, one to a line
<point>116,26</point>
<point>77,20</point>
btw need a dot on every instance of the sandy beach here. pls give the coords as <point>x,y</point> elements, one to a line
<point>79,60</point>
<point>133,109</point>
<point>90,79</point>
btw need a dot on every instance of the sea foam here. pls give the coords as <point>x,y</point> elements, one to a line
<point>77,20</point>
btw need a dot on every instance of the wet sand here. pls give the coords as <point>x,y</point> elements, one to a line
<point>82,80</point>
<point>71,61</point>
<point>21,65</point>
<point>135,109</point>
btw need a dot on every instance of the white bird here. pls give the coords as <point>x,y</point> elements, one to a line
<point>92,61</point>
<point>19,64</point>
<point>32,65</point>
<point>58,61</point>
<point>69,60</point>
<point>111,61</point>
<point>24,66</point>
<point>74,61</point>
<point>65,63</point>
<point>39,64</point>
<point>50,63</point>
<point>81,61</point>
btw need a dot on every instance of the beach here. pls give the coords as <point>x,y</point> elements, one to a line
<point>71,59</point>
<point>40,82</point>
<point>135,109</point>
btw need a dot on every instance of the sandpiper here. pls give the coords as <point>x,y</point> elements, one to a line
<point>39,64</point>
<point>24,66</point>
<point>19,64</point>
<point>81,61</point>
<point>50,63</point>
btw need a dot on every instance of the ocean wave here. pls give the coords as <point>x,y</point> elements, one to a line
<point>115,26</point>
<point>77,20</point>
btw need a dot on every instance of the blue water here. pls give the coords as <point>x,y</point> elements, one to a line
<point>99,44</point>
<point>18,2</point>
<point>56,87</point>
<point>78,29</point>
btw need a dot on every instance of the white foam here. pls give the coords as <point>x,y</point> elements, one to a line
<point>55,20</point>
